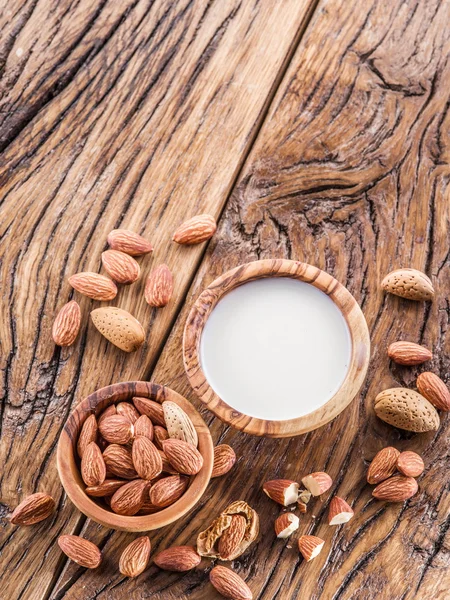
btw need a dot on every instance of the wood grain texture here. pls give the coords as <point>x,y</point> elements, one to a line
<point>300,271</point>
<point>131,114</point>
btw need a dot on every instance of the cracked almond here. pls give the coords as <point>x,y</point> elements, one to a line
<point>286,524</point>
<point>339,512</point>
<point>283,491</point>
<point>317,483</point>
<point>232,537</point>
<point>310,546</point>
<point>67,324</point>
<point>33,509</point>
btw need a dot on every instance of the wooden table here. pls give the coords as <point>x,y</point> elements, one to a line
<point>313,130</point>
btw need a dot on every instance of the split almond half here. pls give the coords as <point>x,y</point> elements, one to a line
<point>286,524</point>
<point>317,483</point>
<point>283,491</point>
<point>339,512</point>
<point>310,546</point>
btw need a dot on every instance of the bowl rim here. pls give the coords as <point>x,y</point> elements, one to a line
<point>300,271</point>
<point>69,472</point>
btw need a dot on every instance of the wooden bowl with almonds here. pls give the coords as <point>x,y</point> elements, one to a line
<point>86,479</point>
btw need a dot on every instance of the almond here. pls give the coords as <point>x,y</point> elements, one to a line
<point>129,242</point>
<point>119,327</point>
<point>310,546</point>
<point>152,409</point>
<point>116,429</point>
<point>160,434</point>
<point>93,469</point>
<point>87,435</point>
<point>159,287</point>
<point>317,483</point>
<point>286,524</point>
<point>302,507</point>
<point>408,283</point>
<point>408,353</point>
<point>179,426</point>
<point>134,559</point>
<point>121,267</point>
<point>128,411</point>
<point>434,390</point>
<point>146,458</point>
<point>224,459</point>
<point>33,509</point>
<point>144,427</point>
<point>166,491</point>
<point>129,498</point>
<point>108,412</point>
<point>148,509</point>
<point>166,466</point>
<point>67,324</point>
<point>283,491</point>
<point>107,488</point>
<point>383,465</point>
<point>229,584</point>
<point>119,462</point>
<point>339,512</point>
<point>231,538</point>
<point>81,551</point>
<point>177,558</point>
<point>410,464</point>
<point>304,496</point>
<point>93,285</point>
<point>183,456</point>
<point>396,489</point>
<point>406,409</point>
<point>195,230</point>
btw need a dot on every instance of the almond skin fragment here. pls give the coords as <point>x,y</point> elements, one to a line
<point>232,537</point>
<point>195,230</point>
<point>183,456</point>
<point>177,558</point>
<point>317,483</point>
<point>159,287</point>
<point>93,468</point>
<point>384,465</point>
<point>121,267</point>
<point>286,524</point>
<point>408,353</point>
<point>310,546</point>
<point>33,509</point>
<point>152,409</point>
<point>134,559</point>
<point>168,490</point>
<point>146,458</point>
<point>339,512</point>
<point>67,324</point>
<point>230,584</point>
<point>116,429</point>
<point>396,489</point>
<point>408,283</point>
<point>87,435</point>
<point>119,327</point>
<point>434,390</point>
<point>144,427</point>
<point>283,491</point>
<point>410,464</point>
<point>107,488</point>
<point>224,459</point>
<point>93,285</point>
<point>81,551</point>
<point>129,242</point>
<point>119,462</point>
<point>129,498</point>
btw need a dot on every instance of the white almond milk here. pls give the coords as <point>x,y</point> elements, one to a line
<point>275,348</point>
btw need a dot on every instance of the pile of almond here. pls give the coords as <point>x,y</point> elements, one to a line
<point>394,473</point>
<point>115,324</point>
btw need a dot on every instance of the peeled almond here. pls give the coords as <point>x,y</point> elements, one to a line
<point>286,524</point>
<point>283,491</point>
<point>339,512</point>
<point>310,546</point>
<point>317,483</point>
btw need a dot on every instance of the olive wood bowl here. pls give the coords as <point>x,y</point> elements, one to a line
<point>68,461</point>
<point>346,303</point>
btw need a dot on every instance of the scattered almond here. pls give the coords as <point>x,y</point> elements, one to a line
<point>129,498</point>
<point>119,327</point>
<point>179,426</point>
<point>224,459</point>
<point>410,464</point>
<point>184,457</point>
<point>310,546</point>
<point>317,483</point>
<point>87,435</point>
<point>93,469</point>
<point>119,462</point>
<point>168,490</point>
<point>67,324</point>
<point>283,491</point>
<point>229,584</point>
<point>121,267</point>
<point>146,458</point>
<point>134,559</point>
<point>434,390</point>
<point>129,242</point>
<point>383,465</point>
<point>116,429</point>
<point>396,489</point>
<point>195,230</point>
<point>177,558</point>
<point>408,283</point>
<point>152,409</point>
<point>107,488</point>
<point>33,509</point>
<point>339,512</point>
<point>144,427</point>
<point>159,287</point>
<point>406,409</point>
<point>408,353</point>
<point>286,524</point>
<point>93,285</point>
<point>128,411</point>
<point>81,551</point>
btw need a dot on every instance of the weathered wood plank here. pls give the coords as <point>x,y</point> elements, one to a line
<point>134,114</point>
<point>350,172</point>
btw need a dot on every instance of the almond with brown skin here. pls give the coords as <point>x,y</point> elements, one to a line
<point>93,468</point>
<point>87,435</point>
<point>408,283</point>
<point>121,267</point>
<point>33,509</point>
<point>195,230</point>
<point>408,353</point>
<point>129,242</point>
<point>166,466</point>
<point>159,287</point>
<point>108,412</point>
<point>183,456</point>
<point>434,390</point>
<point>144,427</point>
<point>383,465</point>
<point>128,411</point>
<point>286,524</point>
<point>134,559</point>
<point>81,551</point>
<point>283,491</point>
<point>231,538</point>
<point>146,458</point>
<point>129,498</point>
<point>224,459</point>
<point>119,462</point>
<point>67,324</point>
<point>167,491</point>
<point>229,584</point>
<point>107,488</point>
<point>160,435</point>
<point>310,546</point>
<point>119,327</point>
<point>93,285</point>
<point>177,558</point>
<point>339,512</point>
<point>410,464</point>
<point>152,409</point>
<point>317,483</point>
<point>396,489</point>
<point>116,429</point>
